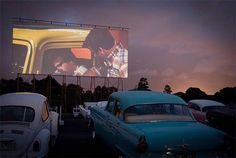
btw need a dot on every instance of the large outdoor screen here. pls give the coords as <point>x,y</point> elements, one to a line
<point>42,49</point>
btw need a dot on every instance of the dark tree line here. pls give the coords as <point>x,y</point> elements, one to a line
<point>58,94</point>
<point>226,95</point>
<point>71,94</point>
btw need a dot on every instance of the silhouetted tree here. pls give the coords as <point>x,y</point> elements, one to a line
<point>79,93</point>
<point>71,97</point>
<point>56,90</point>
<point>143,84</point>
<point>8,86</point>
<point>180,94</point>
<point>167,89</point>
<point>194,93</point>
<point>41,86</point>
<point>25,87</point>
<point>105,93</point>
<point>111,90</point>
<point>98,93</point>
<point>227,96</point>
<point>88,96</point>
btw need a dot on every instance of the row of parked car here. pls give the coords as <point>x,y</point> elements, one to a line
<point>154,124</point>
<point>132,123</point>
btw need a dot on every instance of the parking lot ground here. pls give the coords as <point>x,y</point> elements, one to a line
<point>75,140</point>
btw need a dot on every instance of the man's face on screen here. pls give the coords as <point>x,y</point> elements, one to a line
<point>68,67</point>
<point>64,67</point>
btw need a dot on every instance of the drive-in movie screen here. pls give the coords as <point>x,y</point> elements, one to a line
<point>40,49</point>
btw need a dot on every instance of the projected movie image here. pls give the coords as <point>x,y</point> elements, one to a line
<point>70,51</point>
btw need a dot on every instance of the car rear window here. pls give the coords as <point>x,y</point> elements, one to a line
<point>207,108</point>
<point>16,113</point>
<point>157,112</point>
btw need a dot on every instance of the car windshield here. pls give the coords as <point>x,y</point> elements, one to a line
<point>207,108</point>
<point>16,113</point>
<point>157,112</point>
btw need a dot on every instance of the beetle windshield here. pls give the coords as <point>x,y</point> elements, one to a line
<point>157,112</point>
<point>16,113</point>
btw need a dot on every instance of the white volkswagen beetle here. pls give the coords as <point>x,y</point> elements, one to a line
<point>27,127</point>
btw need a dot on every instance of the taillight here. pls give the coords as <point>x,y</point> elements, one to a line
<point>36,146</point>
<point>142,144</point>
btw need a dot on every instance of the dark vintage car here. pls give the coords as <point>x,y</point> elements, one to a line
<point>199,108</point>
<point>154,124</point>
<point>223,119</point>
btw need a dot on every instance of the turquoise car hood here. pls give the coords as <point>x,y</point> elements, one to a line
<point>177,136</point>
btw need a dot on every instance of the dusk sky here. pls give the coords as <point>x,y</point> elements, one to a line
<point>183,43</point>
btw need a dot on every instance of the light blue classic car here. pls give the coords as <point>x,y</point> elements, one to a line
<point>154,124</point>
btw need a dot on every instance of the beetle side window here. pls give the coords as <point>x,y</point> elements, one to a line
<point>110,105</point>
<point>45,113</point>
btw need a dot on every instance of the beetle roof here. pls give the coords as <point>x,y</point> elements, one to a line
<point>205,102</point>
<point>129,98</point>
<point>33,100</point>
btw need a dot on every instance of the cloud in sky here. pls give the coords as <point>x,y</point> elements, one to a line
<point>182,76</point>
<point>205,66</point>
<point>167,72</point>
<point>144,72</point>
